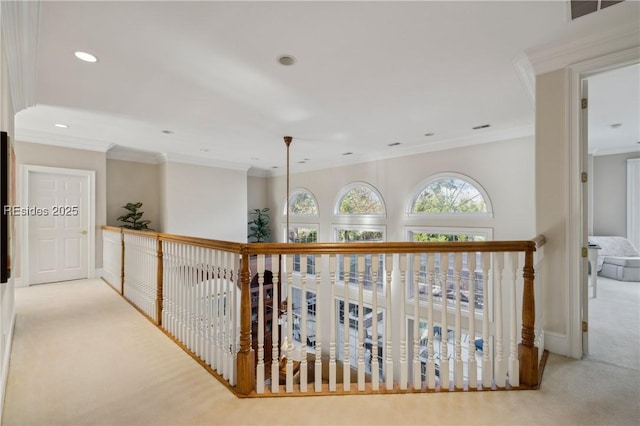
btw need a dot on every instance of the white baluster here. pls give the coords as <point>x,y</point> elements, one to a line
<point>275,367</point>
<point>403,322</point>
<point>332,328</point>
<point>388,357</point>
<point>346,367</point>
<point>360,363</point>
<point>486,349</point>
<point>472,369</point>
<point>319,317</point>
<point>375,364</point>
<point>458,372</point>
<point>514,367</point>
<point>417,370</point>
<point>431,364</point>
<point>303,323</point>
<point>289,340</point>
<point>234,315</point>
<point>217,315</point>
<point>500,373</point>
<point>444,332</point>
<point>260,366</point>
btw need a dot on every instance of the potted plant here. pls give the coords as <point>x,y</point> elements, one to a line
<point>133,219</point>
<point>259,229</point>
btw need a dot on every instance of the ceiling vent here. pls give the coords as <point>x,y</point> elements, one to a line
<point>584,7</point>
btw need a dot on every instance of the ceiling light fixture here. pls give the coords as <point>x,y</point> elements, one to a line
<point>167,132</point>
<point>616,125</point>
<point>62,126</point>
<point>347,153</point>
<point>429,134</point>
<point>484,126</point>
<point>86,57</point>
<point>394,144</point>
<point>286,60</point>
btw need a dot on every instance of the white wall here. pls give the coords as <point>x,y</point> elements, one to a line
<point>551,196</point>
<point>204,202</point>
<point>610,194</point>
<point>131,182</point>
<point>504,169</point>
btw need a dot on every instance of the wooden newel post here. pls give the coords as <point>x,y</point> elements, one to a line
<point>527,352</point>
<point>159,291</point>
<point>245,360</point>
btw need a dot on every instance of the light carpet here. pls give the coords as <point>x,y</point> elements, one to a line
<point>83,356</point>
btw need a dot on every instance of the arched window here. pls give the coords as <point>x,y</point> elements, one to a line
<point>360,199</point>
<point>302,202</point>
<point>451,194</point>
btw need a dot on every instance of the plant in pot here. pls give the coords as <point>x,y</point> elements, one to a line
<point>133,219</point>
<point>259,229</point>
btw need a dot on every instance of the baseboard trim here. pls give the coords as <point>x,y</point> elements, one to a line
<point>98,273</point>
<point>557,343</point>
<point>5,361</point>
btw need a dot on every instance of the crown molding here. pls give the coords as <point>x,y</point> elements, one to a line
<point>171,157</point>
<point>442,145</point>
<point>46,138</point>
<point>20,24</point>
<point>527,76</point>
<point>135,156</point>
<point>555,56</point>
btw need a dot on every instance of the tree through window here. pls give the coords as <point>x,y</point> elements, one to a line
<point>360,200</point>
<point>450,194</point>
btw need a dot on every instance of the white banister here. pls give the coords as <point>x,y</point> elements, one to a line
<point>303,323</point>
<point>514,365</point>
<point>487,373</point>
<point>500,367</point>
<point>472,368</point>
<point>375,363</point>
<point>346,363</point>
<point>431,364</point>
<point>260,366</point>
<point>388,354</point>
<point>360,363</point>
<point>444,330</point>
<point>417,370</point>
<point>275,353</point>
<point>403,323</point>
<point>319,309</point>
<point>458,376</point>
<point>332,322</point>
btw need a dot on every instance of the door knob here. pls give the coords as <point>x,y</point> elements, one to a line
<point>84,232</point>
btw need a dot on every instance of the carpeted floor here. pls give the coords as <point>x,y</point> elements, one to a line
<point>83,356</point>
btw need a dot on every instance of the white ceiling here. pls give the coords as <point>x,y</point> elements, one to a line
<point>368,74</point>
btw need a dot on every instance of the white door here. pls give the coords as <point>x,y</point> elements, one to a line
<point>57,227</point>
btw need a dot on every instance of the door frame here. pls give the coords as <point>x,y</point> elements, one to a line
<point>90,175</point>
<point>576,265</point>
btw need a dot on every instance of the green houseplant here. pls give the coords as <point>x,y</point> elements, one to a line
<point>259,229</point>
<point>133,219</point>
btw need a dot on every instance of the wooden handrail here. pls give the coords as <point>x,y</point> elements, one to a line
<point>527,351</point>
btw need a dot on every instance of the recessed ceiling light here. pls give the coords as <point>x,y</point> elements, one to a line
<point>301,162</point>
<point>286,60</point>
<point>484,126</point>
<point>347,153</point>
<point>394,144</point>
<point>616,125</point>
<point>274,167</point>
<point>167,132</point>
<point>86,57</point>
<point>429,134</point>
<point>62,126</point>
